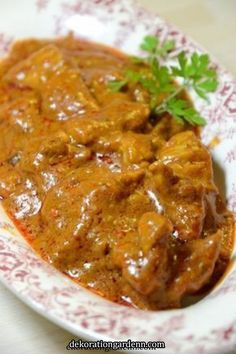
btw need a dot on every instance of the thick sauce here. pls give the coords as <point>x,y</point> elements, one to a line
<point>119,200</point>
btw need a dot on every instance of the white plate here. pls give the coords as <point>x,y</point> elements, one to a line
<point>206,327</point>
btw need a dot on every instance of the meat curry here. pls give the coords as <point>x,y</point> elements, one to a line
<point>118,200</point>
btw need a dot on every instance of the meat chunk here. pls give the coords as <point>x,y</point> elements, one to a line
<point>66,96</point>
<point>36,70</point>
<point>42,154</point>
<point>10,179</point>
<point>86,131</point>
<point>184,181</point>
<point>89,201</point>
<point>152,228</point>
<point>194,267</point>
<point>103,126</point>
<point>19,193</point>
<point>22,112</point>
<point>142,255</point>
<point>98,202</point>
<point>188,158</point>
<point>126,114</point>
<point>19,117</point>
<point>135,148</point>
<point>180,199</point>
<point>51,158</point>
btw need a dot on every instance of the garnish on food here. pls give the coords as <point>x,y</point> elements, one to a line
<point>192,72</point>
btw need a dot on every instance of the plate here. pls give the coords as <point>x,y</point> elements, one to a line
<point>206,327</point>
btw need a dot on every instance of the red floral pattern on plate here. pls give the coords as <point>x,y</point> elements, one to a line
<point>5,42</point>
<point>41,4</point>
<point>206,327</point>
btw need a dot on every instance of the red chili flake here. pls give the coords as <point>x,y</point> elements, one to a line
<point>106,158</point>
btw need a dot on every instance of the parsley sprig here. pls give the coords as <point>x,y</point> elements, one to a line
<point>193,72</point>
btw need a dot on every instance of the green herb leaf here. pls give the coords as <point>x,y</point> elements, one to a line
<point>152,45</point>
<point>160,80</point>
<point>167,47</point>
<point>150,84</point>
<point>149,44</point>
<point>196,73</point>
<point>181,110</point>
<point>137,60</point>
<point>116,86</point>
<point>134,76</point>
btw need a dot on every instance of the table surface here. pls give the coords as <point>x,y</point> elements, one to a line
<point>212,24</point>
